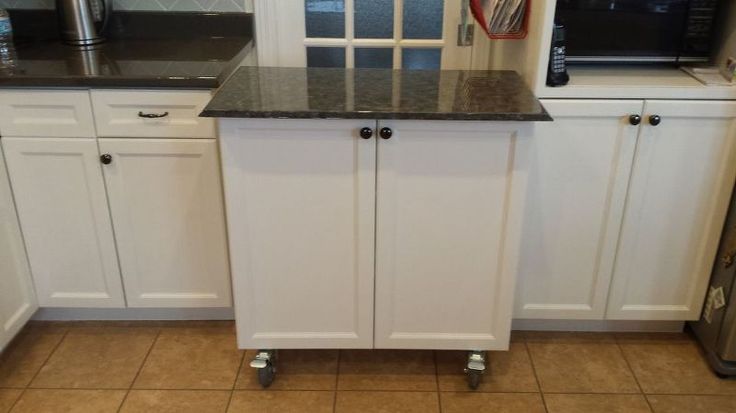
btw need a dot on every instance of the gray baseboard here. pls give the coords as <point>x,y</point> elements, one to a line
<point>598,325</point>
<point>76,314</point>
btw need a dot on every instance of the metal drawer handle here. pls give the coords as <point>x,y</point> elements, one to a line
<point>152,115</point>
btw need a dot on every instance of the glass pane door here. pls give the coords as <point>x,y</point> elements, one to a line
<point>409,34</point>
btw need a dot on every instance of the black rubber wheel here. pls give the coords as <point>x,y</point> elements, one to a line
<point>474,378</point>
<point>722,376</point>
<point>266,375</point>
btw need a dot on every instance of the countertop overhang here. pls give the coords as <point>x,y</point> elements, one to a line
<point>326,93</point>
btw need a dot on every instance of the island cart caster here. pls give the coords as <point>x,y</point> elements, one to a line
<point>264,364</point>
<point>476,368</point>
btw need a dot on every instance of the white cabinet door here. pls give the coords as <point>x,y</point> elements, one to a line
<point>578,179</point>
<point>166,204</point>
<point>300,199</point>
<point>680,187</point>
<point>17,298</point>
<point>449,197</point>
<point>60,195</point>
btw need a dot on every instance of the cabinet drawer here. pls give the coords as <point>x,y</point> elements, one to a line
<point>49,113</point>
<point>152,114</point>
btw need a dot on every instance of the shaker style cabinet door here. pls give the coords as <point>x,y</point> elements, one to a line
<point>17,297</point>
<point>167,211</point>
<point>300,199</point>
<point>449,196</point>
<point>60,196</point>
<point>578,179</point>
<point>680,187</point>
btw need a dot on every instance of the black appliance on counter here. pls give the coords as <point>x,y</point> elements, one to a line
<point>638,31</point>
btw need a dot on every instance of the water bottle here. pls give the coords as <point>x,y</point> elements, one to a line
<point>8,57</point>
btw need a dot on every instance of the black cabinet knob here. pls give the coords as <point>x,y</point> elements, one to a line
<point>386,133</point>
<point>106,159</point>
<point>634,119</point>
<point>655,120</point>
<point>366,133</point>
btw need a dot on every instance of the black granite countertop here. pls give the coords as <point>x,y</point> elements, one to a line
<point>143,50</point>
<point>269,92</point>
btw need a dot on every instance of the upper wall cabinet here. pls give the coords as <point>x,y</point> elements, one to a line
<point>166,204</point>
<point>579,172</point>
<point>680,187</point>
<point>17,298</point>
<point>60,194</point>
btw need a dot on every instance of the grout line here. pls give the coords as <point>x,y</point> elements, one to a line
<point>51,353</point>
<point>137,373</point>
<point>337,381</point>
<point>633,374</point>
<point>536,377</point>
<point>437,379</point>
<point>235,382</point>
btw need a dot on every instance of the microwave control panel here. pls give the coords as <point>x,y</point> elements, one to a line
<point>700,25</point>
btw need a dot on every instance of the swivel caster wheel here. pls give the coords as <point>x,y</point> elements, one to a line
<point>476,368</point>
<point>264,364</point>
<point>266,375</point>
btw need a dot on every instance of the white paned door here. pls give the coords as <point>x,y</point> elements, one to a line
<point>17,297</point>
<point>167,210</point>
<point>449,197</point>
<point>578,180</point>
<point>301,198</point>
<point>680,187</point>
<point>408,34</point>
<point>60,195</point>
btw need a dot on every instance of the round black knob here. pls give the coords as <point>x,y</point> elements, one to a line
<point>106,159</point>
<point>366,133</point>
<point>634,119</point>
<point>655,120</point>
<point>386,133</point>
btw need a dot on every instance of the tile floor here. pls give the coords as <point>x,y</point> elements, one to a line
<point>194,367</point>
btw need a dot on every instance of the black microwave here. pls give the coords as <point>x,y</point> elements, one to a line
<point>637,31</point>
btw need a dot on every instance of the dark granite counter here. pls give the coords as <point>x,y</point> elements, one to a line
<point>144,50</point>
<point>268,92</point>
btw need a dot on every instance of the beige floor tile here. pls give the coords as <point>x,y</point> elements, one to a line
<point>654,338</point>
<point>581,368</point>
<point>386,402</point>
<point>674,369</point>
<point>25,356</point>
<point>387,370</point>
<point>297,370</point>
<point>693,404</point>
<point>247,401</point>
<point>508,371</point>
<point>96,358</point>
<point>492,402</point>
<point>598,403</point>
<point>69,401</point>
<point>191,358</point>
<point>176,401</point>
<point>568,337</point>
<point>8,398</point>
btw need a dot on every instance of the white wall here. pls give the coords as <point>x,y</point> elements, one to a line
<point>150,5</point>
<point>728,42</point>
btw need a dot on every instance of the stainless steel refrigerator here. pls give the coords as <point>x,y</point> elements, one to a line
<point>716,329</point>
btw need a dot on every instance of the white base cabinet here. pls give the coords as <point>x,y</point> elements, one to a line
<point>17,296</point>
<point>578,180</point>
<point>166,205</point>
<point>622,220</point>
<point>310,201</point>
<point>680,188</point>
<point>60,194</point>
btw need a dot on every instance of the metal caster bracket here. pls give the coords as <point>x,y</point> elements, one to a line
<point>475,368</point>
<point>264,364</point>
